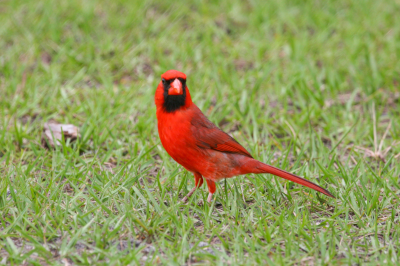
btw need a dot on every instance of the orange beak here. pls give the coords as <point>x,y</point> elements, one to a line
<point>176,88</point>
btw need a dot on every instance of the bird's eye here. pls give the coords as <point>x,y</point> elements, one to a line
<point>163,80</point>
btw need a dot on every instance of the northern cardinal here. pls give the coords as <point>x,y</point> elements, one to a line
<point>200,146</point>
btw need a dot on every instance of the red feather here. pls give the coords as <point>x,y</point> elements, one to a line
<point>209,136</point>
<point>173,74</point>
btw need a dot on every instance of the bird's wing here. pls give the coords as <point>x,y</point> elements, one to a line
<point>209,136</point>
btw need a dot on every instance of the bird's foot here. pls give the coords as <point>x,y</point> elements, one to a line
<point>188,195</point>
<point>209,197</point>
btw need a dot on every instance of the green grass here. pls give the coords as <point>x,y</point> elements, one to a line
<point>301,84</point>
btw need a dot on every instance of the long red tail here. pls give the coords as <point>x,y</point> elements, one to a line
<point>265,168</point>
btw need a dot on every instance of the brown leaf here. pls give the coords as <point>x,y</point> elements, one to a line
<point>52,133</point>
<point>46,58</point>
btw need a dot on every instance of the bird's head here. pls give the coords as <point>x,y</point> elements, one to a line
<point>174,82</point>
<point>172,92</point>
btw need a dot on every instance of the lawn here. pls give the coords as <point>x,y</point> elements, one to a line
<point>311,87</point>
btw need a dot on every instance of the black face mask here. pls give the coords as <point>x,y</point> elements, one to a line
<point>173,102</point>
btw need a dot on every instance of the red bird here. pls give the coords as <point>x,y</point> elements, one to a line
<point>200,146</point>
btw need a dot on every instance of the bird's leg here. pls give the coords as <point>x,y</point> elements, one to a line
<point>189,194</point>
<point>198,182</point>
<point>211,189</point>
<point>209,197</point>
